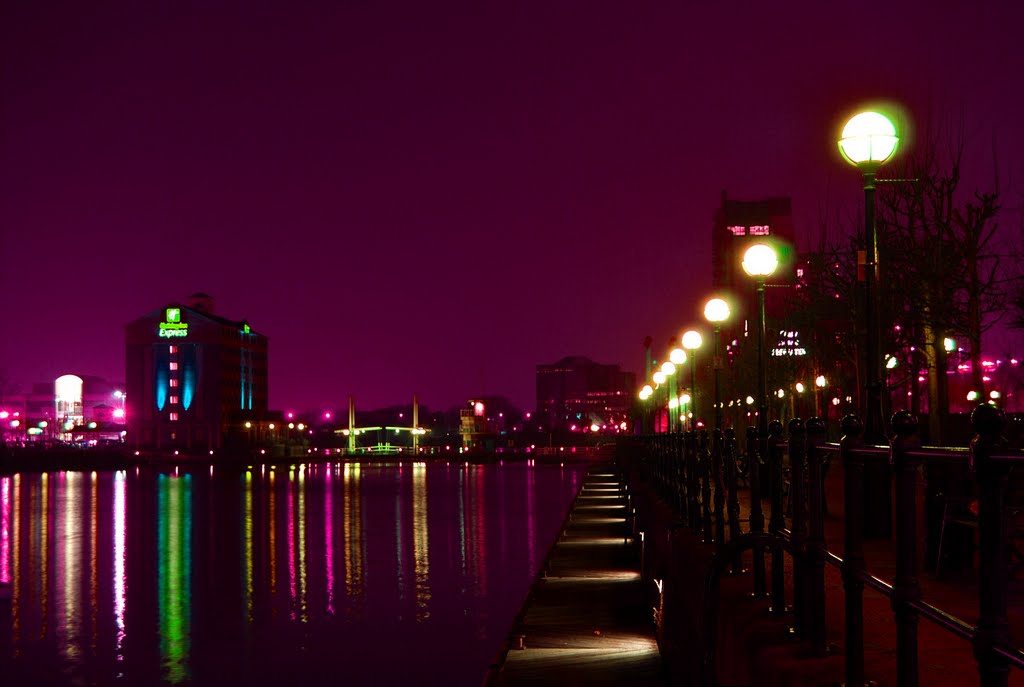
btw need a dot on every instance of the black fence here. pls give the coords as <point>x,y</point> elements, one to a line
<point>698,474</point>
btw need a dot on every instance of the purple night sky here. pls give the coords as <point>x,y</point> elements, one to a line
<point>435,197</point>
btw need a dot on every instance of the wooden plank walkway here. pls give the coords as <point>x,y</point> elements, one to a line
<point>588,620</point>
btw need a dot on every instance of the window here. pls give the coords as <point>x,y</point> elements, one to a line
<point>759,230</point>
<point>173,366</point>
<point>738,229</point>
<point>174,382</point>
<point>174,400</point>
<point>172,349</point>
<point>174,417</point>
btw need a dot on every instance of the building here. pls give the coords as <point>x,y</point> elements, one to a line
<point>576,393</point>
<point>738,224</point>
<point>194,379</point>
<point>81,409</point>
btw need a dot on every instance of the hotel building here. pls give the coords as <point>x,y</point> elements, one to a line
<point>193,378</point>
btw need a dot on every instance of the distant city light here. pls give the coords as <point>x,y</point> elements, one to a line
<point>972,395</point>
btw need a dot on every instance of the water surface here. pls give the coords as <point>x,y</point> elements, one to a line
<point>316,574</point>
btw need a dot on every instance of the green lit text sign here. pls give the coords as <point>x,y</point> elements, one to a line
<point>172,326</point>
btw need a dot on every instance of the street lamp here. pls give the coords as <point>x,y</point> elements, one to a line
<point>868,140</point>
<point>659,380</point>
<point>692,340</point>
<point>716,311</point>
<point>678,358</point>
<point>668,368</point>
<point>760,262</point>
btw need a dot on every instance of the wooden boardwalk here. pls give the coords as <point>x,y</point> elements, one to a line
<point>588,620</point>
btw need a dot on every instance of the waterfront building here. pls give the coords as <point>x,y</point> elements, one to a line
<point>195,380</point>
<point>575,394</point>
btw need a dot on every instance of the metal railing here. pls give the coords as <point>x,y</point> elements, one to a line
<point>697,474</point>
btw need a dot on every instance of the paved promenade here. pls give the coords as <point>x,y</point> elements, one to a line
<point>588,620</point>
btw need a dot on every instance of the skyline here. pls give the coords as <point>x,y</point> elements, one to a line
<point>435,200</point>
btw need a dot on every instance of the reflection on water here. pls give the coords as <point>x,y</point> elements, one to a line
<point>314,573</point>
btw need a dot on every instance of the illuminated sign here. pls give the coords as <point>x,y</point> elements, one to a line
<point>172,326</point>
<point>789,345</point>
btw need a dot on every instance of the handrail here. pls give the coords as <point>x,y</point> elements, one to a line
<point>688,470</point>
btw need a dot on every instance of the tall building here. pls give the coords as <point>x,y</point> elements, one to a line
<point>738,224</point>
<point>192,376</point>
<point>576,391</point>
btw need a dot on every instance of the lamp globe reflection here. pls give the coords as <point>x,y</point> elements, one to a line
<point>868,140</point>
<point>760,260</point>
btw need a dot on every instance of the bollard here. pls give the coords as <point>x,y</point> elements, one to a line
<point>798,499</point>
<point>853,546</point>
<point>906,590</point>
<point>777,522</point>
<point>816,537</point>
<point>992,477</point>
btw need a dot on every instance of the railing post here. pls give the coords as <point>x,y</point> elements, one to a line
<point>678,471</point>
<point>853,546</point>
<point>692,481</point>
<point>754,460</point>
<point>705,489</point>
<point>797,447</point>
<point>993,531</point>
<point>906,589</point>
<point>731,476</point>
<point>816,537</point>
<point>718,475</point>
<point>777,522</point>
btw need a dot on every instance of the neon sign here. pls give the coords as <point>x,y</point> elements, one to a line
<point>172,326</point>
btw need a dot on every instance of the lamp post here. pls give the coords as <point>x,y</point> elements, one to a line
<point>868,140</point>
<point>677,356</point>
<point>668,369</point>
<point>645,394</point>
<point>659,380</point>
<point>716,311</point>
<point>692,340</point>
<point>760,262</point>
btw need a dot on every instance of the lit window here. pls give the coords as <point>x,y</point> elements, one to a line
<point>174,400</point>
<point>173,349</point>
<point>174,417</point>
<point>738,230</point>
<point>174,381</point>
<point>799,272</point>
<point>173,366</point>
<point>759,230</point>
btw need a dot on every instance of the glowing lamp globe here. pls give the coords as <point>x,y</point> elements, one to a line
<point>692,340</point>
<point>868,140</point>
<point>668,368</point>
<point>646,391</point>
<point>760,260</point>
<point>658,377</point>
<point>677,356</point>
<point>716,310</point>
